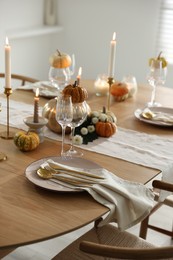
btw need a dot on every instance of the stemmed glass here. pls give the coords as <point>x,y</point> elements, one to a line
<point>80,111</point>
<point>155,77</point>
<point>60,77</point>
<point>64,115</point>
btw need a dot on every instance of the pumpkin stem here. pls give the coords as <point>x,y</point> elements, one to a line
<point>59,53</point>
<point>75,84</point>
<point>104,110</point>
<point>159,55</point>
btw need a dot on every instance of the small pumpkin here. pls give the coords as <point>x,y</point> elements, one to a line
<point>78,93</point>
<point>60,60</point>
<point>26,141</point>
<point>110,115</point>
<point>105,129</point>
<point>120,91</point>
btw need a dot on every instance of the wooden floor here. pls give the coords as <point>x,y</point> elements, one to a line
<point>46,250</point>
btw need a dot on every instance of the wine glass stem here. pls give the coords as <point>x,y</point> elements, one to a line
<point>63,137</point>
<point>153,94</point>
<point>72,137</point>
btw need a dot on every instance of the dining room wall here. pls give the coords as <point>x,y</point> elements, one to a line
<point>21,21</point>
<point>88,27</point>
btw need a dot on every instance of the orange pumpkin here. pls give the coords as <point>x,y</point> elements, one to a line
<point>120,91</point>
<point>105,129</point>
<point>60,60</point>
<point>78,94</point>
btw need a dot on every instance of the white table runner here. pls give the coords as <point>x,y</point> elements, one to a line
<point>140,148</point>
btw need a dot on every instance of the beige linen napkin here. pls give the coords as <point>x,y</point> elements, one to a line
<point>129,202</point>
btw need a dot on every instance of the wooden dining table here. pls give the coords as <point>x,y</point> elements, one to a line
<point>29,213</point>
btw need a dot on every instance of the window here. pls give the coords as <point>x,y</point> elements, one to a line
<point>165,32</point>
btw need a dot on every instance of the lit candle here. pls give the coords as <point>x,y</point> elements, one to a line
<point>36,100</point>
<point>112,57</point>
<point>79,76</point>
<point>7,64</point>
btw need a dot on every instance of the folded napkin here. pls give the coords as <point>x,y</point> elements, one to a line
<point>45,88</point>
<point>129,202</point>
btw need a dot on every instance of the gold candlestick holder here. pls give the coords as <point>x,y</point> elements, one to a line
<point>7,134</point>
<point>110,82</point>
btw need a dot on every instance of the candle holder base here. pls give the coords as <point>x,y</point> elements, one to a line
<point>3,157</point>
<point>36,127</point>
<point>7,135</point>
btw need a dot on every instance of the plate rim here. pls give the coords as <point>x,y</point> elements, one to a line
<point>44,184</point>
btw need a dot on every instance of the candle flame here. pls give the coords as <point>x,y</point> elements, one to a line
<point>37,92</point>
<point>6,41</point>
<point>114,36</point>
<point>79,72</point>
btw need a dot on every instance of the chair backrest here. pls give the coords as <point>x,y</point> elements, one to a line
<point>23,79</point>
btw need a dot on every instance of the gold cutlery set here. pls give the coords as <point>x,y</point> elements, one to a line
<point>65,174</point>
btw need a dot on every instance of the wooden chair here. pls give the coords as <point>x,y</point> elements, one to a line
<point>108,242</point>
<point>145,223</point>
<point>22,79</point>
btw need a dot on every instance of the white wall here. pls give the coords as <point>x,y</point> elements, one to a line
<point>29,56</point>
<point>88,28</point>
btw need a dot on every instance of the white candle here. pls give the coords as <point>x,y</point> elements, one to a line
<point>79,76</point>
<point>7,64</point>
<point>112,56</point>
<point>36,100</point>
<point>101,86</point>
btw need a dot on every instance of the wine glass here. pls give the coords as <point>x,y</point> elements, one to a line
<point>60,77</point>
<point>155,77</point>
<point>64,115</point>
<point>80,111</point>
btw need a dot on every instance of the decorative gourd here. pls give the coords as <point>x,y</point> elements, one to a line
<point>110,115</point>
<point>120,91</point>
<point>49,112</point>
<point>106,115</point>
<point>26,141</point>
<point>60,60</point>
<point>78,94</point>
<point>105,129</point>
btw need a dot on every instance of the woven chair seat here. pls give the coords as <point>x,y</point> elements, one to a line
<point>107,235</point>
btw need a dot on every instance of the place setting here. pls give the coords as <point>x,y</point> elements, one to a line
<point>154,113</point>
<point>80,175</point>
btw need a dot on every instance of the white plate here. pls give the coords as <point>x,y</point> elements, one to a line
<point>45,89</point>
<point>79,163</point>
<point>167,110</point>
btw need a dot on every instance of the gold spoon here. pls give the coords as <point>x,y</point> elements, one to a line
<point>148,114</point>
<point>45,174</point>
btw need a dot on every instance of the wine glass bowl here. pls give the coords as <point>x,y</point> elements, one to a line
<point>156,76</point>
<point>60,77</point>
<point>80,112</point>
<point>64,115</point>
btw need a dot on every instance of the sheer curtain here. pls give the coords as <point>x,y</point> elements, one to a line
<point>164,41</point>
